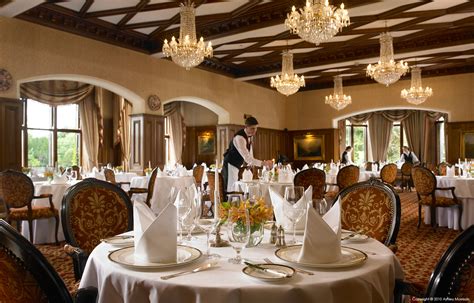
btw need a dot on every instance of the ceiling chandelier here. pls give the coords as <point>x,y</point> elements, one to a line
<point>416,94</point>
<point>317,21</point>
<point>187,51</point>
<point>387,71</point>
<point>289,82</point>
<point>338,100</point>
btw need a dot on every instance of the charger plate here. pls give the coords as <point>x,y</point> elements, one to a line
<point>126,257</point>
<point>350,257</point>
<point>268,277</point>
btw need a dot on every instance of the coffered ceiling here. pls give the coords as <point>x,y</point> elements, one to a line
<point>249,36</point>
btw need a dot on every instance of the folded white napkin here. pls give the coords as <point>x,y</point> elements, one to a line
<point>59,179</point>
<point>154,236</point>
<point>305,167</point>
<point>95,170</point>
<point>247,175</point>
<point>285,176</point>
<point>322,236</point>
<point>160,173</point>
<point>450,171</point>
<point>277,203</point>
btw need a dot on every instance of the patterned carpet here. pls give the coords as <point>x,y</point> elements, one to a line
<point>418,249</point>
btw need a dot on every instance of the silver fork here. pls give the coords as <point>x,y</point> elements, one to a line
<point>301,271</point>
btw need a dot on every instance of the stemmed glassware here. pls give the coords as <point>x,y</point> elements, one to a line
<point>190,221</point>
<point>207,225</point>
<point>238,230</point>
<point>183,206</point>
<point>320,205</point>
<point>292,208</point>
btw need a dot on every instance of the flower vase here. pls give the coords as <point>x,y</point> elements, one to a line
<point>50,179</point>
<point>256,235</point>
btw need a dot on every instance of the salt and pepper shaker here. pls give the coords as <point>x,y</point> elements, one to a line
<point>273,234</point>
<point>281,237</point>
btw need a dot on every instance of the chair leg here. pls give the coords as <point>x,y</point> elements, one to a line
<point>460,215</point>
<point>419,215</point>
<point>30,227</point>
<point>433,216</point>
<point>57,229</point>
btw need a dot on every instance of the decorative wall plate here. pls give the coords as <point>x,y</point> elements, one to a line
<point>154,102</point>
<point>5,80</point>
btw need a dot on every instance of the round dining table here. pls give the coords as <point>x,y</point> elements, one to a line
<point>370,281</point>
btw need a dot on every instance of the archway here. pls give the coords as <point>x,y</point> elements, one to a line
<point>136,100</point>
<point>222,114</point>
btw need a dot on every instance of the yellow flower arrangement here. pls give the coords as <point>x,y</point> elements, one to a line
<point>148,171</point>
<point>259,213</point>
<point>48,173</point>
<point>119,169</point>
<point>26,170</point>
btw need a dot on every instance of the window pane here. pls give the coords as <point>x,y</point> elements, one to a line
<point>393,153</point>
<point>38,115</point>
<point>441,143</point>
<point>348,135</point>
<point>68,149</point>
<point>68,116</point>
<point>358,154</point>
<point>39,148</point>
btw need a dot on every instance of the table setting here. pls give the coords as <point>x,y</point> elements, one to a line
<point>325,264</point>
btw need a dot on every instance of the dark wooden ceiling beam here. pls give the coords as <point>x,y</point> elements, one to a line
<point>85,7</point>
<point>130,15</point>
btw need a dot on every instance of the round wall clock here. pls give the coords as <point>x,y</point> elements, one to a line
<point>5,80</point>
<point>154,102</point>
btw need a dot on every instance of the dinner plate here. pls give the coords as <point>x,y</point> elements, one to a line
<point>269,277</point>
<point>350,257</point>
<point>354,238</point>
<point>119,240</point>
<point>126,257</point>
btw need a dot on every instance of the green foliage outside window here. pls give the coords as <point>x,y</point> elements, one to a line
<point>393,153</point>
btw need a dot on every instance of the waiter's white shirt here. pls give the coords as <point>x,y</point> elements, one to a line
<point>240,144</point>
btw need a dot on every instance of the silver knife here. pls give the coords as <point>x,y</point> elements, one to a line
<point>200,268</point>
<point>268,270</point>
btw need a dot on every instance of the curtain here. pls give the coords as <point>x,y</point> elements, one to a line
<point>56,92</point>
<point>380,130</point>
<point>431,135</point>
<point>361,118</point>
<point>124,130</point>
<point>177,130</point>
<point>415,130</point>
<point>396,115</point>
<point>341,125</point>
<point>88,112</point>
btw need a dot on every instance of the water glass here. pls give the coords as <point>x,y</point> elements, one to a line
<point>320,205</point>
<point>293,208</point>
<point>254,193</point>
<point>183,206</point>
<point>238,231</point>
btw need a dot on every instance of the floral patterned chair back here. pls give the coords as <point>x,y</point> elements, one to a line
<point>198,172</point>
<point>314,177</point>
<point>347,176</point>
<point>424,180</point>
<point>93,210</point>
<point>16,189</point>
<point>26,274</point>
<point>453,276</point>
<point>110,175</point>
<point>442,168</point>
<point>373,208</point>
<point>388,173</point>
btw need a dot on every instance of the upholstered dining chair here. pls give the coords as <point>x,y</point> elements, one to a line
<point>110,177</point>
<point>17,192</point>
<point>425,185</point>
<point>149,190</point>
<point>28,277</point>
<point>407,180</point>
<point>198,173</point>
<point>347,176</point>
<point>453,276</point>
<point>312,176</point>
<point>442,168</point>
<point>373,208</point>
<point>388,173</point>
<point>93,210</point>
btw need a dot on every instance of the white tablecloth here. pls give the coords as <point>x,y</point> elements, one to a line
<point>264,186</point>
<point>449,216</point>
<point>139,182</point>
<point>163,185</point>
<point>44,229</point>
<point>371,282</point>
<point>363,176</point>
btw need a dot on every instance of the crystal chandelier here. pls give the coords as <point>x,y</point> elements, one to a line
<point>317,21</point>
<point>387,71</point>
<point>338,100</point>
<point>187,51</point>
<point>289,82</point>
<point>416,94</point>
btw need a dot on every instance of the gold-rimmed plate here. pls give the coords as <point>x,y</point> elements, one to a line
<point>126,257</point>
<point>124,240</point>
<point>268,276</point>
<point>349,257</point>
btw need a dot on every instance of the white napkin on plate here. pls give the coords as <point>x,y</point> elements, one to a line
<point>160,173</point>
<point>154,236</point>
<point>305,167</point>
<point>322,236</point>
<point>247,175</point>
<point>450,171</point>
<point>59,179</point>
<point>277,203</point>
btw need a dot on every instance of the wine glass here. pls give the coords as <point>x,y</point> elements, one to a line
<point>207,225</point>
<point>73,175</point>
<point>183,207</point>
<point>320,205</point>
<point>238,231</point>
<point>190,221</point>
<point>293,208</point>
<point>253,193</point>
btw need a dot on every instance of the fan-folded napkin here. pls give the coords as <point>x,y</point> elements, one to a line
<point>277,203</point>
<point>155,235</point>
<point>322,236</point>
<point>59,179</point>
<point>247,175</point>
<point>450,171</point>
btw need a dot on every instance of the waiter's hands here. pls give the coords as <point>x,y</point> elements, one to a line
<point>268,164</point>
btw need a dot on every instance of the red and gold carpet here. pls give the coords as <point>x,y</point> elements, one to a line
<point>418,249</point>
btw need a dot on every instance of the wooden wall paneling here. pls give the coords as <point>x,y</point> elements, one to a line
<point>454,132</point>
<point>11,120</point>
